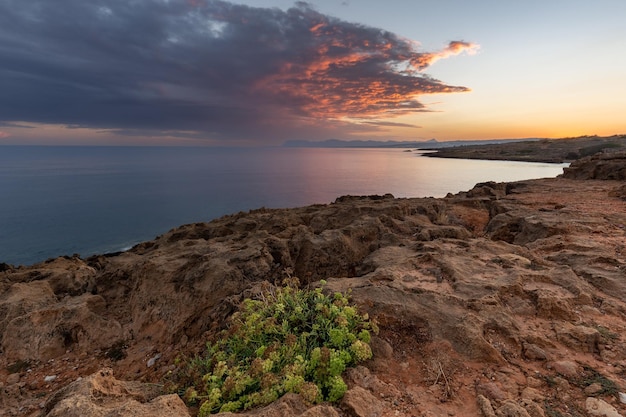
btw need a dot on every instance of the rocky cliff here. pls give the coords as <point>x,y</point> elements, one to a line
<point>505,300</point>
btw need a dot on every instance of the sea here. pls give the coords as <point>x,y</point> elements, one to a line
<point>66,200</point>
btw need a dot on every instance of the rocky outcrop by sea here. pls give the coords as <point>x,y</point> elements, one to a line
<point>603,166</point>
<point>505,300</point>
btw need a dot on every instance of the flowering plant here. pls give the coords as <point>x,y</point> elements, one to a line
<point>288,340</point>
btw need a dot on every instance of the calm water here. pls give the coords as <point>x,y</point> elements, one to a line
<point>64,200</point>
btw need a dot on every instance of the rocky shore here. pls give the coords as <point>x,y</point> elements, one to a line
<point>505,300</point>
<point>544,150</point>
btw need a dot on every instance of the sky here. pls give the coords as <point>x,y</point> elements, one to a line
<point>260,72</point>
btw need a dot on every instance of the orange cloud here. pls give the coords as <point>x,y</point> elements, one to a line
<point>354,71</point>
<point>423,61</point>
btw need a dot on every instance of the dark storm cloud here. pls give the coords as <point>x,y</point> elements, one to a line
<point>221,69</point>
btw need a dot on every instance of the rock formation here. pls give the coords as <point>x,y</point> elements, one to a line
<point>601,166</point>
<point>507,299</point>
<point>101,394</point>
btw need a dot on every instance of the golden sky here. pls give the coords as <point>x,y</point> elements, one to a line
<point>259,72</point>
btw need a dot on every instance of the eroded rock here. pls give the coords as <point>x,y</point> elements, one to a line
<point>101,394</point>
<point>359,402</point>
<point>599,407</point>
<point>601,166</point>
<point>511,409</point>
<point>478,294</point>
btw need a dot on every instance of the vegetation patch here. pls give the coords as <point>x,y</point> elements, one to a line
<point>607,334</point>
<point>551,412</point>
<point>117,351</point>
<point>591,376</point>
<point>18,366</point>
<point>288,340</point>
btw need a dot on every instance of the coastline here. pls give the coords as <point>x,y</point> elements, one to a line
<point>54,209</point>
<point>544,150</point>
<point>514,290</point>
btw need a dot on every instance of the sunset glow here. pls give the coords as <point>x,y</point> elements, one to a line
<point>343,74</point>
<point>262,72</point>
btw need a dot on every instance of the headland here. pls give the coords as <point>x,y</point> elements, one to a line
<point>542,150</point>
<point>508,299</point>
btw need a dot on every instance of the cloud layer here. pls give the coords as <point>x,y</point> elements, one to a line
<point>215,68</point>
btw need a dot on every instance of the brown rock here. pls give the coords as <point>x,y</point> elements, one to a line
<point>511,409</point>
<point>522,230</point>
<point>532,394</point>
<point>70,276</point>
<point>533,382</point>
<point>381,348</point>
<point>533,409</point>
<point>359,402</point>
<point>580,337</point>
<point>48,332</point>
<point>20,298</point>
<point>600,408</point>
<point>102,395</point>
<point>563,389</point>
<point>289,405</point>
<point>13,378</point>
<point>534,352</point>
<point>593,389</point>
<point>601,166</point>
<point>568,369</point>
<point>492,392</point>
<point>364,378</point>
<point>553,306</point>
<point>485,406</point>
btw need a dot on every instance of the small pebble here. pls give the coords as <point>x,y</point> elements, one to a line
<point>13,378</point>
<point>50,378</point>
<point>593,389</point>
<point>622,398</point>
<point>153,360</point>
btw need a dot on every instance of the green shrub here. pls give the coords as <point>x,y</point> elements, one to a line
<point>290,340</point>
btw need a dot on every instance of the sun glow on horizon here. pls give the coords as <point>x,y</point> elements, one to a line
<point>260,72</point>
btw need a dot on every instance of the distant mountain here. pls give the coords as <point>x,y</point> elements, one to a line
<point>337,143</point>
<point>428,144</point>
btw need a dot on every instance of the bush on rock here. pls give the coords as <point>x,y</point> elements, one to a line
<point>288,340</point>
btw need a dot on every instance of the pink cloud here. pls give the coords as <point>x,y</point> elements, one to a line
<point>423,61</point>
